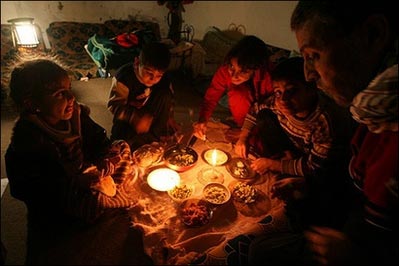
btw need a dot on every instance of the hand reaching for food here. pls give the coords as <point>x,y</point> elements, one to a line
<point>200,130</point>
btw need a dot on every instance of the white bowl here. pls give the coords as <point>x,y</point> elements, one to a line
<point>216,193</point>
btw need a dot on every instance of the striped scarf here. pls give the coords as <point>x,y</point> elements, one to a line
<point>377,105</point>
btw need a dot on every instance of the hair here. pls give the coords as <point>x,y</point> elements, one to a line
<point>340,16</point>
<point>155,55</point>
<point>250,52</point>
<point>30,79</point>
<point>291,69</point>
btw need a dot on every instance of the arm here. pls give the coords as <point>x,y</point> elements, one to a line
<point>215,91</point>
<point>118,102</point>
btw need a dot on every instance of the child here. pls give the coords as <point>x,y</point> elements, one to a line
<point>315,133</point>
<point>61,164</point>
<point>141,98</point>
<point>244,76</point>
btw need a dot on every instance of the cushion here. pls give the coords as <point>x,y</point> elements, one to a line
<point>70,37</point>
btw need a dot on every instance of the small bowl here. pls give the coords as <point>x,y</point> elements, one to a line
<point>216,193</point>
<point>221,159</point>
<point>181,192</point>
<point>177,158</point>
<point>195,212</point>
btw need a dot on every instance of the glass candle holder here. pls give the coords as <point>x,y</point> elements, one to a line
<point>210,175</point>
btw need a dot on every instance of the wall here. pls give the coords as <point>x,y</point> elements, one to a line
<point>268,20</point>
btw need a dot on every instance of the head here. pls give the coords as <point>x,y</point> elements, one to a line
<point>42,87</point>
<point>343,46</point>
<point>247,55</point>
<point>294,96</point>
<point>152,62</point>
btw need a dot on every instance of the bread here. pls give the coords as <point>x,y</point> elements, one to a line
<point>105,185</point>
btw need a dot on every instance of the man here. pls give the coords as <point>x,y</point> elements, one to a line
<point>351,53</point>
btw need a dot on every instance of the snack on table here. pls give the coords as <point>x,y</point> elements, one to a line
<point>195,213</point>
<point>180,192</point>
<point>148,154</point>
<point>216,193</point>
<point>240,168</point>
<point>181,159</point>
<point>245,193</point>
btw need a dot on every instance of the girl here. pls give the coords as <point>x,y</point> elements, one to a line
<point>61,164</point>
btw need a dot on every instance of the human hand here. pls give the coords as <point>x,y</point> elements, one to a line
<point>261,165</point>
<point>143,123</point>
<point>332,247</point>
<point>288,188</point>
<point>199,130</point>
<point>240,148</point>
<point>105,185</point>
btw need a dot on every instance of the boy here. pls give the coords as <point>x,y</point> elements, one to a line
<point>141,98</point>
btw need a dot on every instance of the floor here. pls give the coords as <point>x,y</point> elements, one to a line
<point>93,93</point>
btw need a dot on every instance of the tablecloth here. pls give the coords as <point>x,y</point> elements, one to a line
<point>225,238</point>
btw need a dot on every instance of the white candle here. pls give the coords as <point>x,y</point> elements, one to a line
<point>214,157</point>
<point>163,179</point>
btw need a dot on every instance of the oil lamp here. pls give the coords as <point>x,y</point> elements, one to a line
<point>163,179</point>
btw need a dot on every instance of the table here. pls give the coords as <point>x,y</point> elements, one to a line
<point>168,241</point>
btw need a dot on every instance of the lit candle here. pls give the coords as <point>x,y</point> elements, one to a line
<point>163,179</point>
<point>214,157</point>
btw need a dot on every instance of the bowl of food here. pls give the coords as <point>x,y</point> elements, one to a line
<point>180,159</point>
<point>216,193</point>
<point>240,168</point>
<point>148,155</point>
<point>245,193</point>
<point>195,212</point>
<point>181,192</point>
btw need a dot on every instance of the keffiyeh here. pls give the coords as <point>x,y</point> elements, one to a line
<point>377,105</point>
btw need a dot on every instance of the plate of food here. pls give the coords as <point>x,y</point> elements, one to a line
<point>195,212</point>
<point>180,159</point>
<point>148,155</point>
<point>181,192</point>
<point>249,200</point>
<point>245,193</point>
<point>240,168</point>
<point>216,193</point>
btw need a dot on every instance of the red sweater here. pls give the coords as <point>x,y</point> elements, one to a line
<point>373,167</point>
<point>240,96</point>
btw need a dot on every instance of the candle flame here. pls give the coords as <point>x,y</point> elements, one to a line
<point>214,157</point>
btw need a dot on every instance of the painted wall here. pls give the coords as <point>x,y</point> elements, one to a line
<point>269,20</point>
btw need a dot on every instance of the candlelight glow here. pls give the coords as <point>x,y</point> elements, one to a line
<point>163,179</point>
<point>215,157</point>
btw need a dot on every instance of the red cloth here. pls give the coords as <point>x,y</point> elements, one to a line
<point>240,98</point>
<point>374,163</point>
<point>127,40</point>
